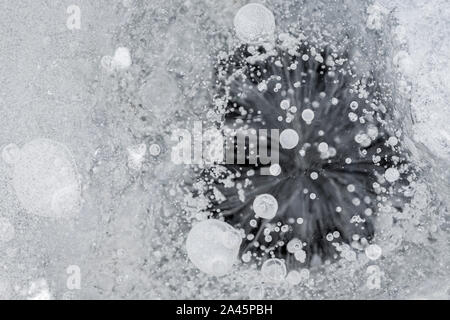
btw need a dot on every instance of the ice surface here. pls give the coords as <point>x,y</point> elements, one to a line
<point>77,187</point>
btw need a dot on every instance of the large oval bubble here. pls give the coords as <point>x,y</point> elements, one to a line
<point>46,180</point>
<point>212,246</point>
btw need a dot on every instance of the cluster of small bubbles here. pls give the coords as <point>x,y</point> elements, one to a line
<point>265,206</point>
<point>274,270</point>
<point>348,255</point>
<point>363,139</point>
<point>300,255</point>
<point>353,116</point>
<point>372,132</point>
<point>284,104</point>
<point>373,252</point>
<point>212,246</point>
<point>254,24</point>
<point>294,245</point>
<point>289,139</point>
<point>246,257</point>
<point>391,175</point>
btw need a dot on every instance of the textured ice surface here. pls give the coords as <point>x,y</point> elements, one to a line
<point>62,99</point>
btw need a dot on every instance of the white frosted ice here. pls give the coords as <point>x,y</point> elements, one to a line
<point>122,58</point>
<point>39,290</point>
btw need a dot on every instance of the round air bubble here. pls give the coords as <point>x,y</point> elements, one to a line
<point>294,245</point>
<point>274,270</point>
<point>391,175</point>
<point>275,169</point>
<point>373,252</point>
<point>323,147</point>
<point>154,149</point>
<point>265,206</point>
<point>212,246</point>
<point>10,153</point>
<point>289,139</point>
<point>308,115</point>
<point>294,277</point>
<point>254,24</point>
